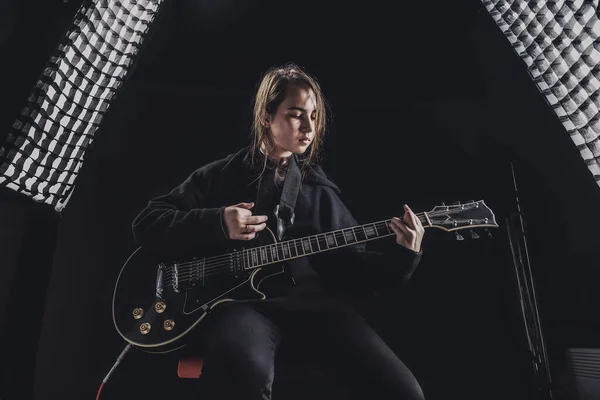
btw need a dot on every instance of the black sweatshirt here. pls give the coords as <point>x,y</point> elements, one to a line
<point>188,222</point>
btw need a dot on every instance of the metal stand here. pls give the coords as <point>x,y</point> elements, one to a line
<point>526,290</point>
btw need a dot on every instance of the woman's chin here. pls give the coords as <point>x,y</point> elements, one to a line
<point>300,149</point>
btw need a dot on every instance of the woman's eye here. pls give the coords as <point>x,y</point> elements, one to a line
<point>297,116</point>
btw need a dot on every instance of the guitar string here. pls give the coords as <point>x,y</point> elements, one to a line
<point>191,273</point>
<point>226,257</point>
<point>218,262</point>
<point>213,264</point>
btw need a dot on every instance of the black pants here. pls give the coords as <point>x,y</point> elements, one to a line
<point>243,341</point>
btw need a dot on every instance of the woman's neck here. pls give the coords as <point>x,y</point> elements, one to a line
<point>277,155</point>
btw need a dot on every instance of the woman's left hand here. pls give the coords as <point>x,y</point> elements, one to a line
<point>409,230</point>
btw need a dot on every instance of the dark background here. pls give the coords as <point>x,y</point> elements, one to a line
<point>429,104</point>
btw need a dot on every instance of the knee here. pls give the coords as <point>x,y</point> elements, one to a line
<point>238,372</point>
<point>240,361</point>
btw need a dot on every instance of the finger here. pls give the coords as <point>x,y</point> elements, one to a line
<point>253,228</point>
<point>401,232</point>
<point>410,218</point>
<point>247,206</point>
<point>245,236</point>
<point>255,219</point>
<point>400,225</point>
<point>395,228</point>
<point>248,236</point>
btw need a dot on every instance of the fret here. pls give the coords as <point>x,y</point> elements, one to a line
<point>331,241</point>
<point>263,255</point>
<point>273,249</point>
<point>359,233</point>
<point>370,231</point>
<point>349,236</point>
<point>382,228</point>
<point>315,239</point>
<point>306,246</point>
<point>314,244</point>
<point>387,226</point>
<point>254,257</point>
<point>293,248</point>
<point>322,241</point>
<point>340,238</point>
<point>269,253</point>
<point>245,263</point>
<point>298,246</point>
<point>286,250</point>
<point>280,251</point>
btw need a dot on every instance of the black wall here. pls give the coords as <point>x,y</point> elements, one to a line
<point>429,104</point>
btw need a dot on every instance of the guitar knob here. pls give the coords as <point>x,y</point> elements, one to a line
<point>169,325</point>
<point>458,236</point>
<point>474,234</point>
<point>160,307</point>
<point>138,313</point>
<point>145,328</point>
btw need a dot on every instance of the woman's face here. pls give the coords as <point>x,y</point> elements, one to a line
<point>293,124</point>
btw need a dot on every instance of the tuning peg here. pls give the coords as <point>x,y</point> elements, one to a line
<point>456,203</point>
<point>474,234</point>
<point>469,201</point>
<point>458,236</point>
<point>489,234</point>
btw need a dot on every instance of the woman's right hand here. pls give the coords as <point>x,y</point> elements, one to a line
<point>241,224</point>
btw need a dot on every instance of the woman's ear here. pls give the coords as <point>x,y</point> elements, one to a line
<point>266,122</point>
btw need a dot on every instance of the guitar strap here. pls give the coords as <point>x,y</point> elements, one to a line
<point>284,211</point>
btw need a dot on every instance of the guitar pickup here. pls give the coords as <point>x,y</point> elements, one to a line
<point>236,262</point>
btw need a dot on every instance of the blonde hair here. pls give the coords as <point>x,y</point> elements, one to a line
<point>270,95</point>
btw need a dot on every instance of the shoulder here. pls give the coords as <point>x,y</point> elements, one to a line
<point>218,166</point>
<point>316,176</point>
<point>208,175</point>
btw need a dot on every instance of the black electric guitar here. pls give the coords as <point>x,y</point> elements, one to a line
<point>156,303</point>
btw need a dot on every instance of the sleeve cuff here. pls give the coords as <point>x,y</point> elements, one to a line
<point>221,214</point>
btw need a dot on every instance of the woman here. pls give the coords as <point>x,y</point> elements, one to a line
<point>230,201</point>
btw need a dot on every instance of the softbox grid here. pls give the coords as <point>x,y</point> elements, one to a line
<point>46,145</point>
<point>558,41</point>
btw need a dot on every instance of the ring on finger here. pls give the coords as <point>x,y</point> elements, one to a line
<point>247,229</point>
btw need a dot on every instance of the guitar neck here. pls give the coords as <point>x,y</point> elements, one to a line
<point>295,248</point>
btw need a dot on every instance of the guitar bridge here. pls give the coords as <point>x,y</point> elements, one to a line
<point>175,278</point>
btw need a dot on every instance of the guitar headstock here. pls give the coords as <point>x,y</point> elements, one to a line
<point>454,217</point>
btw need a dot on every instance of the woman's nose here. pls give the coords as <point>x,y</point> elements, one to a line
<point>307,125</point>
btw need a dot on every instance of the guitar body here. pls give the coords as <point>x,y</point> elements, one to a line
<point>156,304</point>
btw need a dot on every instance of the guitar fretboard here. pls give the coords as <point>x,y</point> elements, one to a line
<point>278,252</point>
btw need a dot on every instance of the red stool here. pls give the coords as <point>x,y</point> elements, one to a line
<point>190,367</point>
